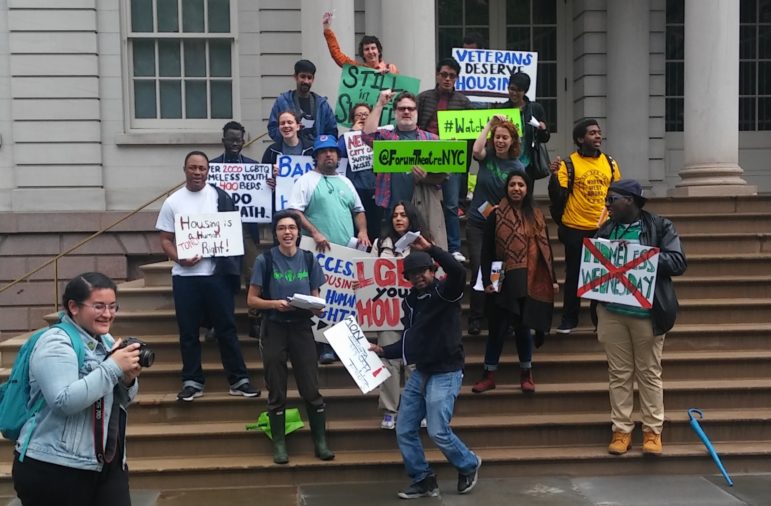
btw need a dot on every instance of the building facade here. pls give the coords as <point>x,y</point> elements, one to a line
<point>101,99</point>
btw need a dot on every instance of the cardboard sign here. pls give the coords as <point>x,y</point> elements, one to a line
<point>208,235</point>
<point>380,292</point>
<point>618,271</point>
<point>290,168</point>
<point>431,156</point>
<point>484,73</point>
<point>338,265</point>
<point>359,154</point>
<point>247,184</point>
<point>348,340</point>
<point>363,84</point>
<point>468,123</point>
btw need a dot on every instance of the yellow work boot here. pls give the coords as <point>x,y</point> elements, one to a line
<point>620,443</point>
<point>651,443</point>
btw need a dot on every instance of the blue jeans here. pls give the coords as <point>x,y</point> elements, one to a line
<point>195,296</point>
<point>431,396</point>
<point>450,190</point>
<point>500,321</point>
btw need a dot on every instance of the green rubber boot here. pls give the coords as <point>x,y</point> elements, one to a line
<point>317,418</point>
<point>277,430</point>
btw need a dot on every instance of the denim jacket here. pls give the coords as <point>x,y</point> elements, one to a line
<point>64,434</point>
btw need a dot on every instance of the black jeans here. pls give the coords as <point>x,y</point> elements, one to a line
<point>573,240</point>
<point>212,295</point>
<point>283,341</point>
<point>39,483</point>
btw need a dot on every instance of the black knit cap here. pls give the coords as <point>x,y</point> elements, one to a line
<point>416,261</point>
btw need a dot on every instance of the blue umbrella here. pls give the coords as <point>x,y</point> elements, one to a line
<point>704,439</point>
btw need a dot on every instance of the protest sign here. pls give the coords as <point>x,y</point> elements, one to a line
<point>484,73</point>
<point>359,154</point>
<point>208,235</point>
<point>348,340</point>
<point>363,84</point>
<point>338,267</point>
<point>618,271</point>
<point>380,292</point>
<point>290,168</point>
<point>247,184</point>
<point>431,156</point>
<point>466,124</point>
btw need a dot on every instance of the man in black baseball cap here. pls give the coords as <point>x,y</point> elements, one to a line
<point>633,336</point>
<point>432,341</point>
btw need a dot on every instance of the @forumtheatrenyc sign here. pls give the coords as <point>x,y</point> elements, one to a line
<point>208,235</point>
<point>431,156</point>
<point>484,73</point>
<point>618,271</point>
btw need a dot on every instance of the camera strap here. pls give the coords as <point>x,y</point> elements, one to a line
<point>115,426</point>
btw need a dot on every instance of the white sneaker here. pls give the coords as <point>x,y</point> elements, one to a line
<point>457,255</point>
<point>423,423</point>
<point>389,421</point>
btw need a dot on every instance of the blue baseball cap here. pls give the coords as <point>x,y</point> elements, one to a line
<point>325,142</point>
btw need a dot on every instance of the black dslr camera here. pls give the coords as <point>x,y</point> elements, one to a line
<point>146,355</point>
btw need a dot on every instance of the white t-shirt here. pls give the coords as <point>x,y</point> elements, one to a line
<point>183,201</point>
<point>329,203</point>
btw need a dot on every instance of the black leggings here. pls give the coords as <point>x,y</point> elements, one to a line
<point>39,483</point>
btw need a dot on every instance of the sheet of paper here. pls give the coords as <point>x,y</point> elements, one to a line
<point>495,277</point>
<point>301,301</point>
<point>405,241</point>
<point>348,340</point>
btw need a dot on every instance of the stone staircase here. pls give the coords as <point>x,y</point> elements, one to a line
<point>717,358</point>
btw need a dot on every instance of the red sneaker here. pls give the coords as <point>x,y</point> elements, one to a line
<point>526,381</point>
<point>486,383</point>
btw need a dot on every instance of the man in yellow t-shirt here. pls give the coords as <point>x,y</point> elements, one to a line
<point>584,209</point>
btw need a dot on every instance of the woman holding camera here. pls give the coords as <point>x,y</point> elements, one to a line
<point>70,459</point>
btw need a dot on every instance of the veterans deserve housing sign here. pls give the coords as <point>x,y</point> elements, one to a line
<point>247,184</point>
<point>484,73</point>
<point>208,235</point>
<point>468,123</point>
<point>431,156</point>
<point>363,84</point>
<point>618,271</point>
<point>348,340</point>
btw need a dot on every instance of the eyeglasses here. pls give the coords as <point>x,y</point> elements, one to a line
<point>100,307</point>
<point>406,108</point>
<point>284,228</point>
<point>361,115</point>
<point>611,199</point>
<point>448,75</point>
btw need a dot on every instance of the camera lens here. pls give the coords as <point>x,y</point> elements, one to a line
<point>146,357</point>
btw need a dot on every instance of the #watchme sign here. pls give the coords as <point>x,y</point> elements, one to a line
<point>618,271</point>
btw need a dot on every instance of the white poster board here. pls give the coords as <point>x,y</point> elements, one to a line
<point>208,235</point>
<point>290,168</point>
<point>338,266</point>
<point>380,292</point>
<point>484,73</point>
<point>618,271</point>
<point>348,340</point>
<point>247,184</point>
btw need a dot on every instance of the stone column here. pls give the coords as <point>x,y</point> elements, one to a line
<point>373,17</point>
<point>711,131</point>
<point>409,38</point>
<point>628,87</point>
<point>314,47</point>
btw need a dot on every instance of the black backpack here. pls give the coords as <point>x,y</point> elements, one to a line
<point>558,196</point>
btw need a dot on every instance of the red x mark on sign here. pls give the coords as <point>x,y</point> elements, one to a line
<point>616,272</point>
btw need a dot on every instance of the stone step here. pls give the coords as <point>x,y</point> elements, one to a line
<point>349,403</point>
<point>548,368</point>
<point>478,432</point>
<point>218,470</point>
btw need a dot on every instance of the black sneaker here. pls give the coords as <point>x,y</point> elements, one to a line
<point>426,487</point>
<point>244,390</point>
<point>566,328</point>
<point>189,393</point>
<point>474,326</point>
<point>466,482</point>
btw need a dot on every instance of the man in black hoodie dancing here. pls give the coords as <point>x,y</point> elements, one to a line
<point>432,341</point>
